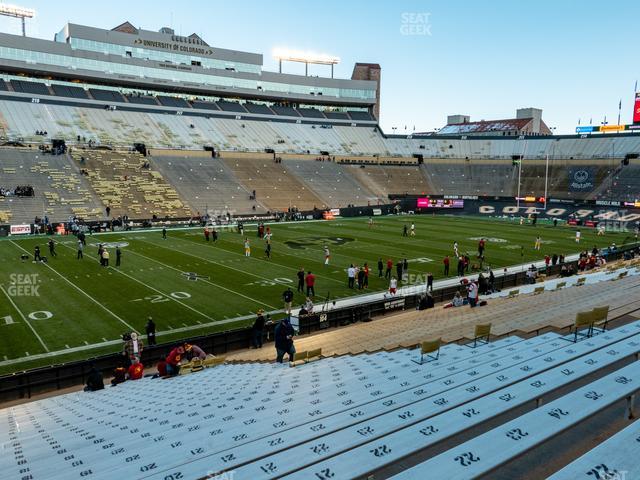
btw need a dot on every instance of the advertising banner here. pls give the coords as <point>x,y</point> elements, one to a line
<point>20,230</point>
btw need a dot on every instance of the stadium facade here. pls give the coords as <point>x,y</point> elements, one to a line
<point>129,57</point>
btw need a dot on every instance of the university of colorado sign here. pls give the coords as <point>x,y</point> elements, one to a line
<point>602,215</point>
<point>191,46</point>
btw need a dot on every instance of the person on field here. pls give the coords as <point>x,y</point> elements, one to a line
<point>105,257</point>
<point>327,255</point>
<point>351,276</point>
<point>164,233</point>
<point>538,243</point>
<point>389,271</point>
<point>118,256</point>
<point>284,340</point>
<point>481,245</point>
<point>413,229</point>
<point>300,276</point>
<point>365,280</point>
<point>310,280</point>
<point>206,234</point>
<point>446,263</point>
<point>405,231</point>
<point>52,248</point>
<point>360,278</point>
<point>247,247</point>
<point>380,267</point>
<point>150,329</point>
<point>80,250</point>
<point>214,235</point>
<point>287,297</point>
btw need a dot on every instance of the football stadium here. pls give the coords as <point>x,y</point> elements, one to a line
<point>214,268</point>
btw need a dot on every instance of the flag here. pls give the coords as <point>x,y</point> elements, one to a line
<point>578,121</point>
<point>635,89</point>
<point>620,105</point>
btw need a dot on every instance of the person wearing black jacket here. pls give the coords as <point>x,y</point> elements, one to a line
<point>257,330</point>
<point>300,275</point>
<point>94,380</point>
<point>284,340</point>
<point>380,268</point>
<point>150,328</point>
<point>287,296</point>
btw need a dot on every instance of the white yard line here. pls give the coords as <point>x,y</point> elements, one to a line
<point>81,291</point>
<point>24,318</point>
<point>152,288</point>
<point>82,348</point>
<point>318,275</point>
<point>208,261</point>
<point>205,281</point>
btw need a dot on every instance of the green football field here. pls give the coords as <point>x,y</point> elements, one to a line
<point>69,309</point>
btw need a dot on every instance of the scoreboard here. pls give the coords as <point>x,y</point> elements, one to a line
<point>426,202</point>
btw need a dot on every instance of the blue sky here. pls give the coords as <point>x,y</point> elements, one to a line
<point>574,59</point>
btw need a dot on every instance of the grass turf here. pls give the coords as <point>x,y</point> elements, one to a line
<point>80,306</point>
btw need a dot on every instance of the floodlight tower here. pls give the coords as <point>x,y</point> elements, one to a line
<point>304,57</point>
<point>17,12</point>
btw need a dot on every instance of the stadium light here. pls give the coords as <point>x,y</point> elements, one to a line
<point>17,12</point>
<point>284,54</point>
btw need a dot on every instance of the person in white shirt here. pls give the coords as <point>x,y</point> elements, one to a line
<point>327,255</point>
<point>578,236</point>
<point>393,286</point>
<point>472,294</point>
<point>413,229</point>
<point>455,249</point>
<point>351,274</point>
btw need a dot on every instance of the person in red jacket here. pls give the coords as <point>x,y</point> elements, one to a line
<point>310,281</point>
<point>136,370</point>
<point>173,360</point>
<point>387,273</point>
<point>446,262</point>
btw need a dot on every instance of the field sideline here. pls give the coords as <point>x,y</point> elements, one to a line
<point>69,309</point>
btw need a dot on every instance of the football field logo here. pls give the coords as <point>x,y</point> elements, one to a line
<point>303,243</point>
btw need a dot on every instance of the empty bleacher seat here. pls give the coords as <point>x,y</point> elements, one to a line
<point>23,86</point>
<point>173,101</point>
<point>106,95</point>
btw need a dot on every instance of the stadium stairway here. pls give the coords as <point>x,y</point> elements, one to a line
<point>336,418</point>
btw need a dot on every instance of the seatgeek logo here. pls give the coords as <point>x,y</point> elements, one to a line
<point>415,24</point>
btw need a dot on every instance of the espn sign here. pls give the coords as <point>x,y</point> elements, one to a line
<point>20,230</point>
